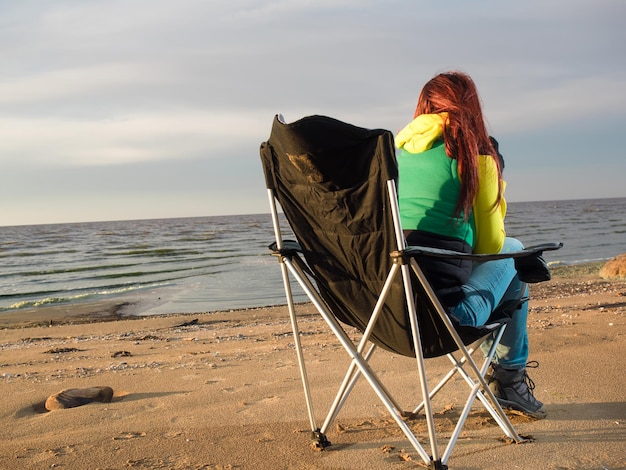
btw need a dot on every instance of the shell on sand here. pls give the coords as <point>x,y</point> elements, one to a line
<point>73,397</point>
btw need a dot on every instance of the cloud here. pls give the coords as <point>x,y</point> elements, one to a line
<point>177,96</point>
<point>75,83</point>
<point>518,108</point>
<point>124,140</point>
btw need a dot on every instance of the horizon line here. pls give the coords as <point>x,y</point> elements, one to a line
<point>258,213</point>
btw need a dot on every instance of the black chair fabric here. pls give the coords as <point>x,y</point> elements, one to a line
<point>330,180</point>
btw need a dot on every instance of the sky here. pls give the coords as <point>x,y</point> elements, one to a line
<point>139,109</point>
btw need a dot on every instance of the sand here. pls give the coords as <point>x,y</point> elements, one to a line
<point>222,390</point>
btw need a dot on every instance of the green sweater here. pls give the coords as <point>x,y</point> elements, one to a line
<point>428,190</point>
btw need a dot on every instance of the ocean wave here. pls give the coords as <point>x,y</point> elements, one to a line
<point>82,296</point>
<point>555,263</point>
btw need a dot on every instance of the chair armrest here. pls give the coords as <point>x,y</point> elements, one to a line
<point>417,251</point>
<point>529,262</point>
<point>290,247</point>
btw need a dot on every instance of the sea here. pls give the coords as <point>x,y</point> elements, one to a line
<point>210,264</point>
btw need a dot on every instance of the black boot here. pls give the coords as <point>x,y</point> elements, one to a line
<point>514,390</point>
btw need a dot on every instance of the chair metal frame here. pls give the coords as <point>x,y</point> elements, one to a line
<point>292,264</point>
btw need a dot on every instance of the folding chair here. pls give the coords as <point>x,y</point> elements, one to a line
<point>336,185</point>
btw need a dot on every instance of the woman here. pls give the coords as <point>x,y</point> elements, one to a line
<point>451,195</point>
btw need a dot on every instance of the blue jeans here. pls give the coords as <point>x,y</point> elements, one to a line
<point>490,284</point>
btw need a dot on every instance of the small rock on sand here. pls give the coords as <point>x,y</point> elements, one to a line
<point>615,268</point>
<point>73,397</point>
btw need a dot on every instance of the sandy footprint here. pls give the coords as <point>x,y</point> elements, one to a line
<point>123,436</point>
<point>265,400</point>
<point>37,456</point>
<point>247,406</point>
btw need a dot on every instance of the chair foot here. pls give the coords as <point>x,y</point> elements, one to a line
<point>437,465</point>
<point>319,440</point>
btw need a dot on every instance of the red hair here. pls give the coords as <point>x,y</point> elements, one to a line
<point>465,134</point>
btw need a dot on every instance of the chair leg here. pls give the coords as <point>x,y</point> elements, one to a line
<point>298,346</point>
<point>487,398</point>
<point>358,360</point>
<point>375,383</point>
<point>502,420</point>
<point>443,381</point>
<point>412,311</point>
<point>352,375</point>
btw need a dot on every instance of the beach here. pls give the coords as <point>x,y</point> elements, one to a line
<point>222,390</point>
